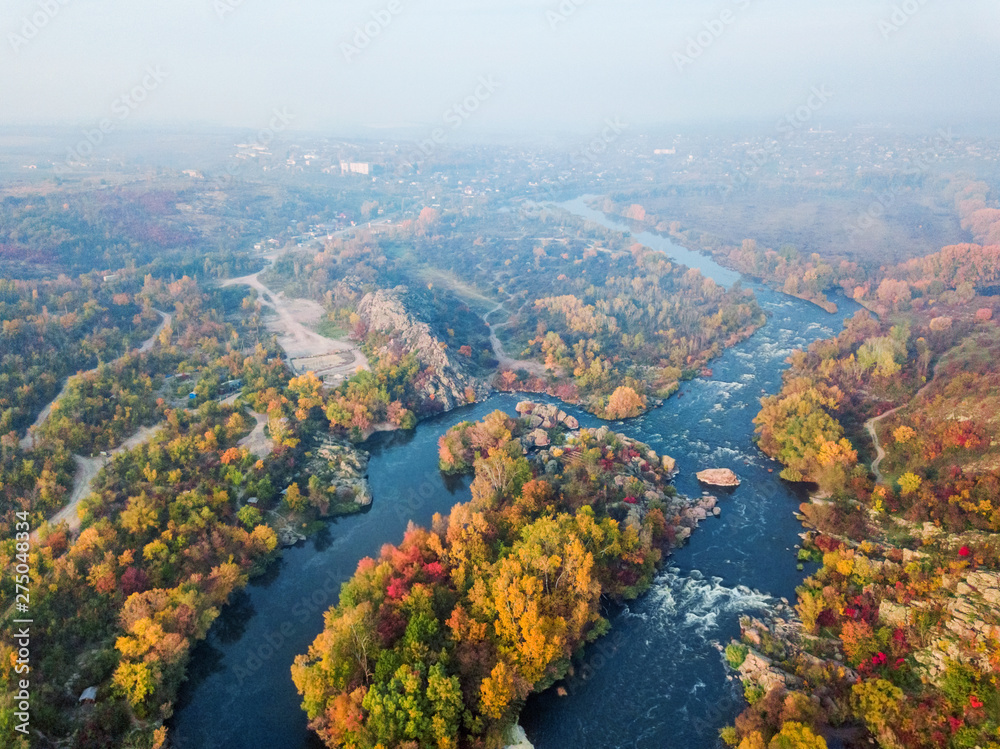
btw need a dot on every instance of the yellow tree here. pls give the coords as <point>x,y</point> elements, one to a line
<point>624,403</point>
<point>795,735</point>
<point>498,691</point>
<point>295,499</point>
<point>309,388</point>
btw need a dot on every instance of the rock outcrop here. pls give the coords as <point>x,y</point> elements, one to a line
<point>644,482</point>
<point>450,381</point>
<point>342,470</point>
<point>669,465</point>
<point>288,536</point>
<point>718,477</point>
<point>541,418</point>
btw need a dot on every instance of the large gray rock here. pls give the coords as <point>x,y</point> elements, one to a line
<point>385,310</point>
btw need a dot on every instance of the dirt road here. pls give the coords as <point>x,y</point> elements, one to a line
<point>86,471</point>
<point>879,450</point>
<point>506,362</point>
<point>256,442</point>
<point>870,427</point>
<point>29,438</point>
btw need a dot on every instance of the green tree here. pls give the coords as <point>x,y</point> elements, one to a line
<point>250,516</point>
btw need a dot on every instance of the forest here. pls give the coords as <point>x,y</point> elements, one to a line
<point>440,640</point>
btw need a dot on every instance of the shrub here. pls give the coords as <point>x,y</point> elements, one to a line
<point>736,653</point>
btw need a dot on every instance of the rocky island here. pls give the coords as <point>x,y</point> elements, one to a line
<point>718,477</point>
<point>464,620</point>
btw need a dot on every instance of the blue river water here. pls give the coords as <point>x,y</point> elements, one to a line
<point>658,680</point>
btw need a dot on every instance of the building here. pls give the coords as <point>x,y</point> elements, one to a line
<point>355,167</point>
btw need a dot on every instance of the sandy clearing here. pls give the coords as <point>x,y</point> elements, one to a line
<point>256,442</point>
<point>303,345</point>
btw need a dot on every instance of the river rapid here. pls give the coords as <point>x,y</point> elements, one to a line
<point>658,679</point>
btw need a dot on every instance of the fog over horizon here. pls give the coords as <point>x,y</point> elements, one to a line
<point>521,66</point>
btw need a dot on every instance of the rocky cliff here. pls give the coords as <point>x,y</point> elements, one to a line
<point>449,381</point>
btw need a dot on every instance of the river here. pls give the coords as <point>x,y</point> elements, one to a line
<point>658,680</point>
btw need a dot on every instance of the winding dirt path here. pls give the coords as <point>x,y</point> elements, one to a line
<point>86,471</point>
<point>870,427</point>
<point>507,362</point>
<point>879,450</point>
<point>28,440</point>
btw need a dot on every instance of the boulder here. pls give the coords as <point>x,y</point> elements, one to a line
<point>525,407</point>
<point>759,669</point>
<point>893,614</point>
<point>288,537</point>
<point>571,422</point>
<point>718,477</point>
<point>539,438</point>
<point>364,497</point>
<point>669,464</point>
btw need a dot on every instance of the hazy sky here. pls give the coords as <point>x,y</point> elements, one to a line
<point>234,62</point>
